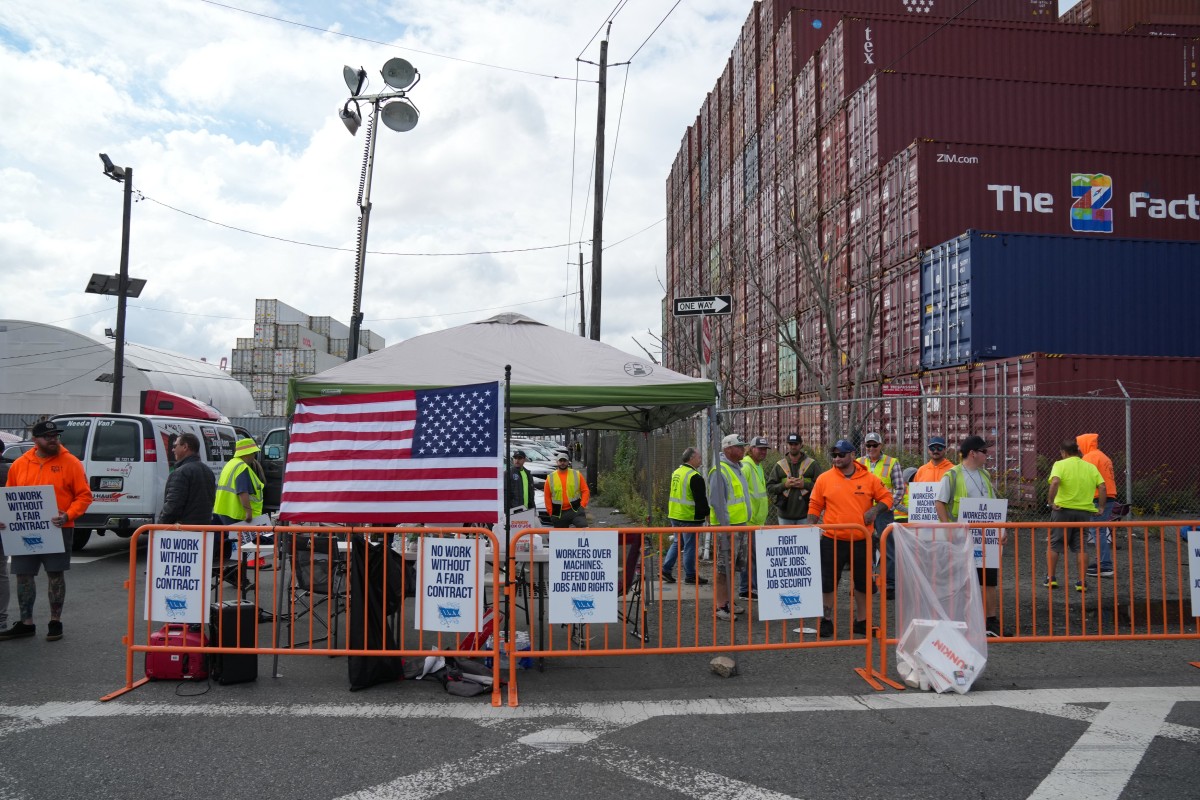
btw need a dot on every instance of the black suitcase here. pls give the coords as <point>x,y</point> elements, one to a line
<point>233,624</point>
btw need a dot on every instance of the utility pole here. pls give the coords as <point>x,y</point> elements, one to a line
<point>582,321</point>
<point>593,439</point>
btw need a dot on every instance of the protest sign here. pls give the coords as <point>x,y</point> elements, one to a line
<point>450,594</point>
<point>922,497</point>
<point>178,566</point>
<point>26,514</point>
<point>583,576</point>
<point>788,563</point>
<point>974,510</point>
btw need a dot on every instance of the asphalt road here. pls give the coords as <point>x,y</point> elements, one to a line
<point>1073,721</point>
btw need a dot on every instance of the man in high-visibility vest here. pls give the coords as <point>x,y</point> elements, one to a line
<point>239,489</point>
<point>891,474</point>
<point>520,484</point>
<point>729,504</point>
<point>687,508</point>
<point>566,496</point>
<point>969,478</point>
<point>760,506</point>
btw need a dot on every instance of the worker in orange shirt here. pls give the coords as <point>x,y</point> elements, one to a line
<point>846,493</point>
<point>48,464</point>
<point>1089,445</point>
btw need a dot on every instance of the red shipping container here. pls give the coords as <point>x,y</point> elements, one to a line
<point>858,47</point>
<point>833,147</point>
<point>1118,16</point>
<point>1033,190</point>
<point>997,398</point>
<point>893,109</point>
<point>804,100</point>
<point>1165,29</point>
<point>812,23</point>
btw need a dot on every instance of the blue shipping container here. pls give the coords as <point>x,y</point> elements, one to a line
<point>995,295</point>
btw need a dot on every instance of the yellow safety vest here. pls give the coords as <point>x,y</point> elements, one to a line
<point>736,501</point>
<point>958,481</point>
<point>682,505</point>
<point>227,503</point>
<point>882,470</point>
<point>572,487</point>
<point>756,481</point>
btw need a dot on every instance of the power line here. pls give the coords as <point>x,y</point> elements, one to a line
<point>611,16</point>
<point>471,311</point>
<point>348,249</point>
<point>656,27</point>
<point>326,31</point>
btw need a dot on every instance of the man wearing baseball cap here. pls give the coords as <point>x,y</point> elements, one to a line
<point>846,493</point>
<point>47,464</point>
<point>790,482</point>
<point>933,470</point>
<point>728,504</point>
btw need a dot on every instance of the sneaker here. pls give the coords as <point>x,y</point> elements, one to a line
<point>1080,586</point>
<point>992,626</point>
<point>860,627</point>
<point>826,628</point>
<point>54,630</point>
<point>668,578</point>
<point>724,613</point>
<point>749,594</point>
<point>1050,583</point>
<point>18,631</point>
<point>1093,572</point>
<point>696,580</point>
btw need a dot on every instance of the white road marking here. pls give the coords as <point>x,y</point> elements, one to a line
<point>452,775</point>
<point>667,774</point>
<point>1104,759</point>
<point>1099,765</point>
<point>556,740</point>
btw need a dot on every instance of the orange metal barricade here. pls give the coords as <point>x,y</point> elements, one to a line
<point>655,630</point>
<point>1147,596</point>
<point>294,599</point>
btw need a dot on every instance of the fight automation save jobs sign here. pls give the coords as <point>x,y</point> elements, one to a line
<point>26,514</point>
<point>788,563</point>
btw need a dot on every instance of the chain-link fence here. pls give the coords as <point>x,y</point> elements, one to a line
<point>1154,443</point>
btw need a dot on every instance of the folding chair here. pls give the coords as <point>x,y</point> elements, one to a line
<point>317,589</point>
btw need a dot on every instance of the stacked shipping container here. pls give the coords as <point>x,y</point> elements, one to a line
<point>845,139</point>
<point>287,343</point>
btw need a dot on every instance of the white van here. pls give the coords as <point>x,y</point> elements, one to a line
<point>127,458</point>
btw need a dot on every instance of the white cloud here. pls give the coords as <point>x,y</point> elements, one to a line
<point>232,117</point>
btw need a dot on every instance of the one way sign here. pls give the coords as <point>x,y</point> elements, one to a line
<point>700,306</point>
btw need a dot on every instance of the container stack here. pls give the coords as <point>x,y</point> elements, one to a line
<point>288,343</point>
<point>860,148</point>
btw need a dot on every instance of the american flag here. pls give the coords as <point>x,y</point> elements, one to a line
<point>430,455</point>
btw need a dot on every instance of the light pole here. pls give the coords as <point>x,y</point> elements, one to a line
<point>122,287</point>
<point>399,114</point>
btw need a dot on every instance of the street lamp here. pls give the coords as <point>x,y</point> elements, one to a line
<point>399,114</point>
<point>120,284</point>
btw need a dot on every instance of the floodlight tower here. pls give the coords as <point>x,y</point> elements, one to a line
<point>399,114</point>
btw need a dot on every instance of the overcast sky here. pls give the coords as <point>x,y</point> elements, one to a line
<point>229,118</point>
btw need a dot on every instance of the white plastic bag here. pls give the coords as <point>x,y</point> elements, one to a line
<point>939,607</point>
